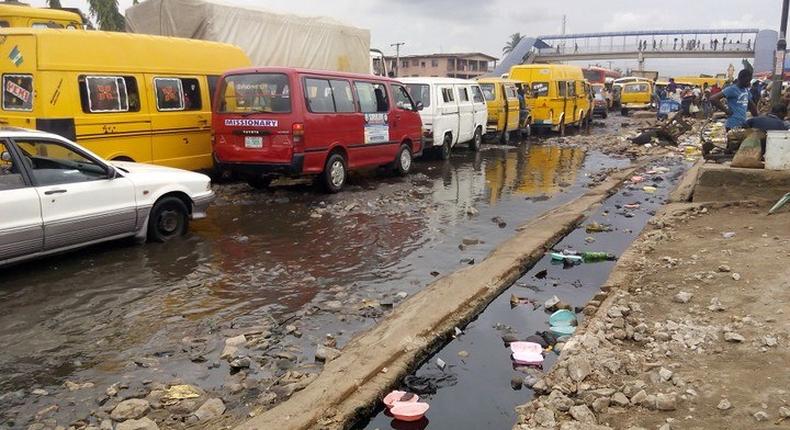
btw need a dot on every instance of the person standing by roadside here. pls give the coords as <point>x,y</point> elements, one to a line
<point>738,101</point>
<point>672,87</point>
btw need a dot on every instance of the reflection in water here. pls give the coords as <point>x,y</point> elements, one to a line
<point>260,257</point>
<point>540,170</point>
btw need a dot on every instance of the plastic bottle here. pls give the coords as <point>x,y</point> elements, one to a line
<point>590,256</point>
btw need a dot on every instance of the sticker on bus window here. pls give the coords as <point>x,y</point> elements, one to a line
<point>18,92</point>
<point>241,122</point>
<point>377,129</point>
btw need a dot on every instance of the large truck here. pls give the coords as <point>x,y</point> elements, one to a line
<point>268,38</point>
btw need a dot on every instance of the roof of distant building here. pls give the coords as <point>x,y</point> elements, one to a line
<point>451,54</point>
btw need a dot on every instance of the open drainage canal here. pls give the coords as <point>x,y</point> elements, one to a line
<point>480,384</point>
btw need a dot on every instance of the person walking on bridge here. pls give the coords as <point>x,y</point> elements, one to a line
<point>738,101</point>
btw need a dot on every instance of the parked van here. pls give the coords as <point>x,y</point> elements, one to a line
<point>636,95</point>
<point>275,121</point>
<point>454,112</point>
<point>560,94</point>
<point>22,15</point>
<point>123,96</point>
<point>503,107</point>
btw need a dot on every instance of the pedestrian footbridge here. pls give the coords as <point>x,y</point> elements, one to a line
<point>642,45</point>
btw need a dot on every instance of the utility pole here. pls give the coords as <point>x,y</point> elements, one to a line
<point>397,46</point>
<point>779,57</point>
<point>564,22</point>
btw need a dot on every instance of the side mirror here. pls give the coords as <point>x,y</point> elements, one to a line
<point>112,173</point>
<point>419,107</point>
<point>5,156</point>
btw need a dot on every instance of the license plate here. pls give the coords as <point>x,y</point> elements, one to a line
<point>253,142</point>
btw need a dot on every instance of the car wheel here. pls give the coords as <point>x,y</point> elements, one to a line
<point>403,161</point>
<point>169,219</point>
<point>259,182</point>
<point>477,141</point>
<point>444,152</point>
<point>334,175</point>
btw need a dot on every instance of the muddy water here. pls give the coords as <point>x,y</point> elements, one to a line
<point>482,396</point>
<point>261,262</point>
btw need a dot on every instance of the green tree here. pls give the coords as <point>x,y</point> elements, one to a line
<point>107,15</point>
<point>511,44</point>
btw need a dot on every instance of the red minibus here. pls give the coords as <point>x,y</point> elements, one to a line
<point>275,121</point>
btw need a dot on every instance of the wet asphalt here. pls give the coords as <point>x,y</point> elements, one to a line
<point>289,260</point>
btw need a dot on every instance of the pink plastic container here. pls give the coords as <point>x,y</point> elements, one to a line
<point>397,396</point>
<point>409,411</point>
<point>528,358</point>
<point>526,347</point>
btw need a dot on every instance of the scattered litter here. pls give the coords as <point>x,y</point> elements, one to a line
<point>595,227</point>
<point>528,358</point>
<point>632,206</point>
<point>593,256</point>
<point>526,347</point>
<point>560,331</point>
<point>542,274</point>
<point>562,256</point>
<point>499,222</point>
<point>516,300</point>
<point>458,331</point>
<point>728,235</point>
<point>181,392</point>
<point>440,364</point>
<point>430,383</point>
<point>637,179</point>
<point>649,189</point>
<point>399,396</point>
<point>562,318</point>
<point>409,411</point>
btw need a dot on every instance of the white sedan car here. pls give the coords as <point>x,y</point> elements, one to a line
<point>56,196</point>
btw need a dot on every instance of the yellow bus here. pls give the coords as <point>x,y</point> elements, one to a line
<point>560,96</point>
<point>22,15</point>
<point>503,107</point>
<point>123,96</point>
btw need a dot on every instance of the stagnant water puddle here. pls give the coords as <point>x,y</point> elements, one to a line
<point>480,387</point>
<point>289,262</point>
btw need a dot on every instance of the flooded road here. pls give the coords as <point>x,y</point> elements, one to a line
<point>289,267</point>
<point>478,390</point>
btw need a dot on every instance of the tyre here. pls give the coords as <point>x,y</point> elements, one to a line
<point>477,140</point>
<point>333,178</point>
<point>169,218</point>
<point>624,112</point>
<point>403,161</point>
<point>444,151</point>
<point>259,182</point>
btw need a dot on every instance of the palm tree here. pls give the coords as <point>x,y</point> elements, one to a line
<point>106,14</point>
<point>511,44</point>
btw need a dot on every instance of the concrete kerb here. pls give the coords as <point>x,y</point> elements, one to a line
<point>376,360</point>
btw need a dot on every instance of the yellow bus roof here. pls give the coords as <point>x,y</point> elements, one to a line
<point>8,10</point>
<point>103,51</point>
<point>551,71</point>
<point>494,79</point>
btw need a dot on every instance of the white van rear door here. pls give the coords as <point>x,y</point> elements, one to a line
<point>447,118</point>
<point>466,112</point>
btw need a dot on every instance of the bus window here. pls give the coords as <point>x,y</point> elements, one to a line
<point>540,89</point>
<point>4,24</point>
<point>177,94</point>
<point>18,92</point>
<point>100,94</point>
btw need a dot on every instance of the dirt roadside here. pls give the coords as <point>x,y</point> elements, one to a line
<point>693,332</point>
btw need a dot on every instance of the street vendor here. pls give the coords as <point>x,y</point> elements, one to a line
<point>739,101</point>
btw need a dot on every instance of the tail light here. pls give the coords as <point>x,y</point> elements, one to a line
<point>297,131</point>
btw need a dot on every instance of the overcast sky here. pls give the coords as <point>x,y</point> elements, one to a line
<point>429,26</point>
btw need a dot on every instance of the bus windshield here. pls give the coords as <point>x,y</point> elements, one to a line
<point>420,93</point>
<point>488,91</point>
<point>255,93</point>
